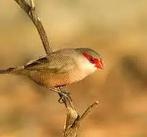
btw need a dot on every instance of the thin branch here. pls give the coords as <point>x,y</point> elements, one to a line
<point>32,4</point>
<point>89,109</point>
<point>72,115</point>
<point>73,119</point>
<point>29,8</point>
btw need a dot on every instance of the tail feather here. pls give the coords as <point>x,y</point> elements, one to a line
<point>6,71</point>
<point>9,70</point>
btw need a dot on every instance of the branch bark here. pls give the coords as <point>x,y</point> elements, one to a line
<point>73,119</point>
<point>29,8</point>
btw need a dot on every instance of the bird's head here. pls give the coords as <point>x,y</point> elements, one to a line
<point>92,56</point>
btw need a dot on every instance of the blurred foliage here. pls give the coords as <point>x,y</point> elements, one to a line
<point>115,28</point>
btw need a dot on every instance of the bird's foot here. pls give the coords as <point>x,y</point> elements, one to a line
<point>64,95</point>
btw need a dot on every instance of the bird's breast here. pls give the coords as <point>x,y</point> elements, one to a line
<point>55,79</point>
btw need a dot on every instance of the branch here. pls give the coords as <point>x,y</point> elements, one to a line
<point>73,119</point>
<point>29,8</point>
<point>88,110</point>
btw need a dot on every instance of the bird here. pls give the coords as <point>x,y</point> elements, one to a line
<point>61,67</point>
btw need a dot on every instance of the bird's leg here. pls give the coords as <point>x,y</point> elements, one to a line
<point>64,94</point>
<point>62,97</point>
<point>58,91</point>
<point>64,90</point>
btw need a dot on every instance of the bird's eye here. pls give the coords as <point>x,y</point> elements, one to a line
<point>91,60</point>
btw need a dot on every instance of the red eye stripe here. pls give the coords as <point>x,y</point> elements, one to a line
<point>100,64</point>
<point>89,57</point>
<point>97,61</point>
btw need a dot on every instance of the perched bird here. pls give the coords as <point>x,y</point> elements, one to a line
<point>60,68</point>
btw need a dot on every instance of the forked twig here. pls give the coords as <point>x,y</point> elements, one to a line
<point>73,119</point>
<point>29,8</point>
<point>88,110</point>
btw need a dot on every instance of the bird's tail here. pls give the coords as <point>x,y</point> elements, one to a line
<point>14,70</point>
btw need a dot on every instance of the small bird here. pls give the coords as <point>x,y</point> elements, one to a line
<point>61,67</point>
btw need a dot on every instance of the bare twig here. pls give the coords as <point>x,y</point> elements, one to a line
<point>70,129</point>
<point>88,110</point>
<point>29,8</point>
<point>73,119</point>
<point>32,4</point>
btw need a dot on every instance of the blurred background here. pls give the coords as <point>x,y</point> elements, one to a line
<point>117,29</point>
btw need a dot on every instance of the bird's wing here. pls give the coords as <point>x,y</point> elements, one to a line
<point>34,63</point>
<point>56,64</point>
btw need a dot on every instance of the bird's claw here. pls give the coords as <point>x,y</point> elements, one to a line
<point>60,100</point>
<point>63,96</point>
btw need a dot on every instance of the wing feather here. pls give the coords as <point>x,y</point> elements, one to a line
<point>56,64</point>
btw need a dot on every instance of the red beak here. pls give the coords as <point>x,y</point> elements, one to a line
<point>100,64</point>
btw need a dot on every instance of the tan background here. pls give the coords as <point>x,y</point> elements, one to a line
<point>115,28</point>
